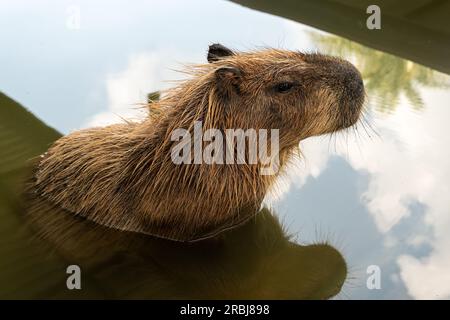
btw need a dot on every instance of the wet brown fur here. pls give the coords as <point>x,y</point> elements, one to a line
<point>122,175</point>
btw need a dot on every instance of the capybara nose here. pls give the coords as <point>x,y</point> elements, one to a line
<point>354,85</point>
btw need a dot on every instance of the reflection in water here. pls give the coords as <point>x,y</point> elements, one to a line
<point>416,29</point>
<point>39,241</point>
<point>386,77</point>
<point>387,198</point>
<point>256,261</point>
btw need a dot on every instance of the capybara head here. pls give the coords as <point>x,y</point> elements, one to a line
<point>300,94</point>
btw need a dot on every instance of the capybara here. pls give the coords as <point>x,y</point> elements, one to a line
<point>123,176</point>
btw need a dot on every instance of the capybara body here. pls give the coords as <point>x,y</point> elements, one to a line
<point>123,176</point>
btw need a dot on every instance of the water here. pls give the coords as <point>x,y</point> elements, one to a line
<point>378,195</point>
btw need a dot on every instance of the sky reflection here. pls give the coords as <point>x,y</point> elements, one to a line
<point>380,198</point>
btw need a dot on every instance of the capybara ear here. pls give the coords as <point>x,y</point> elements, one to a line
<point>229,75</point>
<point>228,81</point>
<point>217,51</point>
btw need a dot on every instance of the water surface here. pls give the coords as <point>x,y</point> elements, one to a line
<point>379,195</point>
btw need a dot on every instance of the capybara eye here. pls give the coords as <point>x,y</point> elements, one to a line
<point>284,87</point>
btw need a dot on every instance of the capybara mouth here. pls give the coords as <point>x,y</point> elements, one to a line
<point>351,113</point>
<point>351,95</point>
